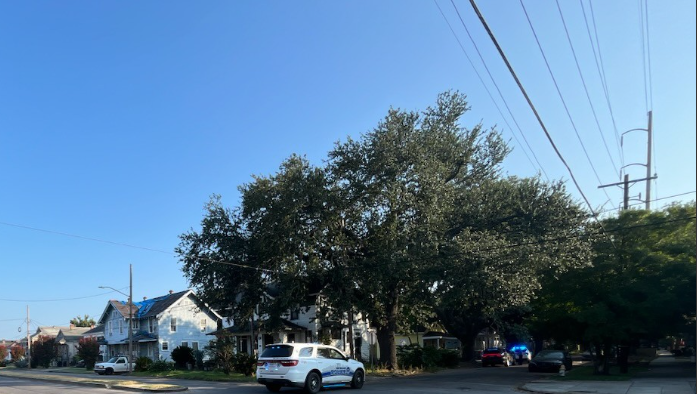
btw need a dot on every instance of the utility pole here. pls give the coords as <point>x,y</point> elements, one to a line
<point>648,178</point>
<point>130,317</point>
<point>648,164</point>
<point>28,341</point>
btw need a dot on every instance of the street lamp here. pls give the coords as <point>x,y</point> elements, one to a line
<point>130,313</point>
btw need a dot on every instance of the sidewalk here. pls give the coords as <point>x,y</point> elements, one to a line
<point>666,375</point>
<point>120,384</point>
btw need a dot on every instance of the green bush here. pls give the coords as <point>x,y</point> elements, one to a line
<point>21,363</point>
<point>245,364</point>
<point>414,356</point>
<point>183,355</point>
<point>143,364</point>
<point>198,355</point>
<point>161,366</point>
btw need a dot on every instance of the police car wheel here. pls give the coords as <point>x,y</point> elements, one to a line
<point>313,383</point>
<point>358,379</point>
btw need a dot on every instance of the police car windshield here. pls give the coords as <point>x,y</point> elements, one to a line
<point>277,351</point>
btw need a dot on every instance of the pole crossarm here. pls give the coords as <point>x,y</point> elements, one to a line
<point>622,183</point>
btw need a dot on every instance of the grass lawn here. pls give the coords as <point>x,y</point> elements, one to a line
<point>214,376</point>
<point>585,372</point>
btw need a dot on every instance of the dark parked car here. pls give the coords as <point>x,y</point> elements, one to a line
<point>550,361</point>
<point>496,355</point>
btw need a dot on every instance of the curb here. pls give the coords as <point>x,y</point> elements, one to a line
<point>115,384</point>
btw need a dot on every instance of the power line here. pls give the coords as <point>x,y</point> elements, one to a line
<point>62,299</point>
<point>131,246</point>
<point>601,72</point>
<point>492,97</point>
<point>537,115</point>
<point>495,84</point>
<point>561,97</point>
<point>654,200</point>
<point>585,88</point>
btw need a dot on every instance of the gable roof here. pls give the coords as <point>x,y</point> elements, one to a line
<point>51,331</point>
<point>72,333</point>
<point>153,306</point>
<point>94,331</point>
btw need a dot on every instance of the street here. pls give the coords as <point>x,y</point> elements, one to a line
<point>469,380</point>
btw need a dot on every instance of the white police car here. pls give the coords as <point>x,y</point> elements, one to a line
<point>307,365</point>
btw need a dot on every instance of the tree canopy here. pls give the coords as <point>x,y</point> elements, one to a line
<point>640,287</point>
<point>413,220</point>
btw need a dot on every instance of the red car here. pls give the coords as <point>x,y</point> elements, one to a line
<point>496,355</point>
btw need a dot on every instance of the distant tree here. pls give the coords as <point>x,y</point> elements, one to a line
<point>85,321</point>
<point>43,351</point>
<point>17,352</point>
<point>88,350</point>
<point>640,288</point>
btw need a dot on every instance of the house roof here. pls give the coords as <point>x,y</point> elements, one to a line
<point>244,329</point>
<point>72,333</point>
<point>153,306</point>
<point>95,331</point>
<point>51,331</point>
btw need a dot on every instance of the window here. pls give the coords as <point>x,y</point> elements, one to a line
<point>151,324</point>
<point>294,314</point>
<point>305,352</point>
<point>204,323</point>
<point>185,344</point>
<point>336,333</point>
<point>165,346</point>
<point>291,338</point>
<point>110,327</point>
<point>120,326</point>
<point>173,324</point>
<point>135,324</point>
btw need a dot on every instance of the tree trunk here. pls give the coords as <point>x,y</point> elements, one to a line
<point>352,351</point>
<point>386,339</point>
<point>467,342</point>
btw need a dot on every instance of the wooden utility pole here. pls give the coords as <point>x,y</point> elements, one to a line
<point>28,341</point>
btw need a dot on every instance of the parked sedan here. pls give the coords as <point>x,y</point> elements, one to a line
<point>550,361</point>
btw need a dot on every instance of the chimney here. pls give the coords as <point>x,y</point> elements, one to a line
<point>171,292</point>
<point>72,326</point>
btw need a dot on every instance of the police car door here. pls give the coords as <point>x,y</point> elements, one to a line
<point>340,371</point>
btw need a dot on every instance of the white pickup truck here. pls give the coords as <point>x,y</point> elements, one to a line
<point>118,364</point>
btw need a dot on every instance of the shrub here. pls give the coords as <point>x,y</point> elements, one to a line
<point>43,352</point>
<point>3,363</point>
<point>17,353</point>
<point>3,352</point>
<point>161,366</point>
<point>414,356</point>
<point>88,350</point>
<point>245,364</point>
<point>198,355</point>
<point>143,364</point>
<point>23,363</point>
<point>222,352</point>
<point>183,355</point>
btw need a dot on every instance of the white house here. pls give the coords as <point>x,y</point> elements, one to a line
<point>159,325</point>
<point>307,323</point>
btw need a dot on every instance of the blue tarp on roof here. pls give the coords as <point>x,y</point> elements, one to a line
<point>145,305</point>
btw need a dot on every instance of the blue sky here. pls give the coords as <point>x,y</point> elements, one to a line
<point>118,120</point>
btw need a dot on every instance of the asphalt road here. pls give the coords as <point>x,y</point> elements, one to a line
<point>465,380</point>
